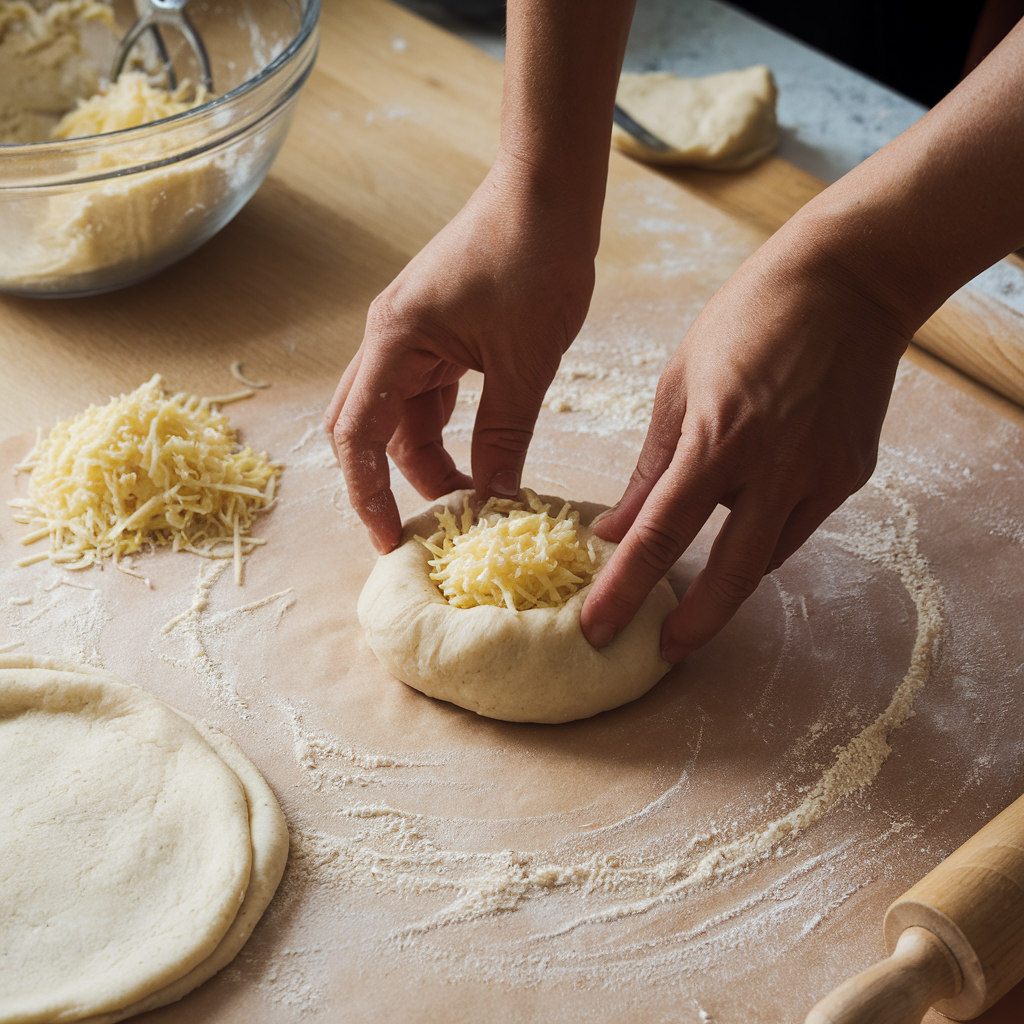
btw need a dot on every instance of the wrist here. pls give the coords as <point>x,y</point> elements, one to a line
<point>538,200</point>
<point>940,203</point>
<point>562,64</point>
<point>858,252</point>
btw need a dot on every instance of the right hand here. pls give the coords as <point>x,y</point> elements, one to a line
<point>772,407</point>
<point>503,289</point>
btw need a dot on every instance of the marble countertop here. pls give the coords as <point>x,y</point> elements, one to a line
<point>832,117</point>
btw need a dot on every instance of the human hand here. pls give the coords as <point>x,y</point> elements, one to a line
<point>503,289</point>
<point>771,406</point>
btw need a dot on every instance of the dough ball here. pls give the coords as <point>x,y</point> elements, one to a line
<point>533,665</point>
<point>725,121</point>
<point>138,849</point>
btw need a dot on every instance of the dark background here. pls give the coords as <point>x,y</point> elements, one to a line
<point>917,48</point>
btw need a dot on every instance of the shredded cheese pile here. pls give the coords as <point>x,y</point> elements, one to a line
<point>144,470</point>
<point>511,555</point>
<point>127,103</point>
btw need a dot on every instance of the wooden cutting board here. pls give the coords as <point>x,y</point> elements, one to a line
<point>396,126</point>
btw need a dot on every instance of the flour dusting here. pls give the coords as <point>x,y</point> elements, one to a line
<point>689,850</point>
<point>616,399</point>
<point>317,753</point>
<point>393,853</point>
<point>205,633</point>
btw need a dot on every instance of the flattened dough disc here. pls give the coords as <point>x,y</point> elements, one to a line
<point>269,835</point>
<point>126,852</point>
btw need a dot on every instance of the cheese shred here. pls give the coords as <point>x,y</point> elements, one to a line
<point>129,102</point>
<point>236,372</point>
<point>144,470</point>
<point>510,555</point>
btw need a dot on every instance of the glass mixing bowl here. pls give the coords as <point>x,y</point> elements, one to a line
<point>88,215</point>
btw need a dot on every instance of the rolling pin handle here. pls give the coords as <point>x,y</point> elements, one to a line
<point>899,990</point>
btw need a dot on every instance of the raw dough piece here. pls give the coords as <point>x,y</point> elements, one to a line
<point>51,59</point>
<point>528,666</point>
<point>49,56</point>
<point>138,850</point>
<point>135,201</point>
<point>83,238</point>
<point>725,121</point>
<point>269,835</point>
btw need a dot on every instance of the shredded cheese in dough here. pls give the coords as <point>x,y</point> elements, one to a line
<point>127,103</point>
<point>144,470</point>
<point>510,555</point>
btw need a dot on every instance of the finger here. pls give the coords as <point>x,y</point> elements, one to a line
<point>449,396</point>
<point>417,446</point>
<point>365,424</point>
<point>810,513</point>
<point>337,401</point>
<point>737,562</point>
<point>659,447</point>
<point>677,507</point>
<point>805,518</point>
<point>502,433</point>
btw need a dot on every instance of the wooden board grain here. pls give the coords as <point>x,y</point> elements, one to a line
<point>978,335</point>
<point>365,180</point>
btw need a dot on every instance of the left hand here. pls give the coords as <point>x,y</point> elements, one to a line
<point>502,289</point>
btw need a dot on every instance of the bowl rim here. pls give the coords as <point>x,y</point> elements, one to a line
<point>307,26</point>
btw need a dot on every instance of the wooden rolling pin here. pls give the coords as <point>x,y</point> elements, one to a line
<point>956,938</point>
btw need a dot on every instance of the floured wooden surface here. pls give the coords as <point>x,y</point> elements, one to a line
<point>448,867</point>
<point>378,919</point>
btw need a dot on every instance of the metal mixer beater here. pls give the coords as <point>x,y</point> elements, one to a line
<point>153,14</point>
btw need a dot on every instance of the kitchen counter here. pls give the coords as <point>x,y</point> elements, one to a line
<point>832,116</point>
<point>455,869</point>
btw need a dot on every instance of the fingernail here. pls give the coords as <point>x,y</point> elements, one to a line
<point>600,634</point>
<point>505,483</point>
<point>674,655</point>
<point>381,542</point>
<point>603,515</point>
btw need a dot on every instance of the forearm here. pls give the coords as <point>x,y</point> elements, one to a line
<point>561,71</point>
<point>936,206</point>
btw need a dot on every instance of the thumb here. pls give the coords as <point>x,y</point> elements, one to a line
<point>502,433</point>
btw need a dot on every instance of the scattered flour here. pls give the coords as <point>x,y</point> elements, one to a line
<point>616,399</point>
<point>416,877</point>
<point>386,851</point>
<point>208,576</point>
<point>317,753</point>
<point>206,633</point>
<point>282,599</point>
<point>313,449</point>
<point>59,615</point>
